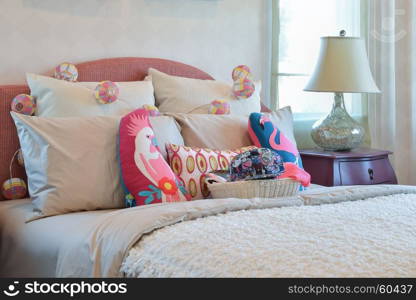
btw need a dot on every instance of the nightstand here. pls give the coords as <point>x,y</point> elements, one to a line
<point>360,166</point>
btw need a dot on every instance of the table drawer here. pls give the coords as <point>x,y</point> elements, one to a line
<point>365,172</point>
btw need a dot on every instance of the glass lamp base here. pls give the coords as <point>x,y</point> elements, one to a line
<point>338,131</point>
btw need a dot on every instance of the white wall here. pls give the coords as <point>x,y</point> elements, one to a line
<point>214,35</point>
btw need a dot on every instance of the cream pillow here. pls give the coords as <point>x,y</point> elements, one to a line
<point>59,98</point>
<point>72,163</point>
<point>227,132</point>
<point>214,132</point>
<point>193,96</point>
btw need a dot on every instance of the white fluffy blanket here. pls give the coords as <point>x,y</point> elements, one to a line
<point>249,242</point>
<point>370,238</point>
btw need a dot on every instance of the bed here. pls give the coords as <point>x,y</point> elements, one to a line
<point>360,231</point>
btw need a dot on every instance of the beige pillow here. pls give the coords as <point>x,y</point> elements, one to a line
<point>59,98</point>
<point>72,163</point>
<point>214,132</point>
<point>227,132</point>
<point>187,95</point>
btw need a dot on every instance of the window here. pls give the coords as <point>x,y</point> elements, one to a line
<point>300,25</point>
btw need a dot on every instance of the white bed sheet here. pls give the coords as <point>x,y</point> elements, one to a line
<point>31,249</point>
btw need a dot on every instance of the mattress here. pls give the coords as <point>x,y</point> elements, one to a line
<point>31,249</point>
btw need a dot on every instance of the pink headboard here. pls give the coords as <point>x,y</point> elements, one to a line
<point>114,69</point>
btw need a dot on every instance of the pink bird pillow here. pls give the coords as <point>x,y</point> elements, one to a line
<point>147,178</point>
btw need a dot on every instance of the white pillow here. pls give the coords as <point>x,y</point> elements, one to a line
<point>59,98</point>
<point>167,131</point>
<point>227,132</point>
<point>72,163</point>
<point>186,95</point>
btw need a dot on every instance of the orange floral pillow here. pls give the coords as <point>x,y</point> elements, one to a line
<point>191,164</point>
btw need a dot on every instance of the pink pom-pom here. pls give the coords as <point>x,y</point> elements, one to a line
<point>14,188</point>
<point>219,107</point>
<point>23,104</point>
<point>241,72</point>
<point>106,92</point>
<point>66,71</point>
<point>243,88</point>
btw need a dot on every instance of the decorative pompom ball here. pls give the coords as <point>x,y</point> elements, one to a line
<point>23,104</point>
<point>14,188</point>
<point>241,72</point>
<point>106,92</point>
<point>243,88</point>
<point>20,159</point>
<point>66,71</point>
<point>219,107</point>
<point>152,110</point>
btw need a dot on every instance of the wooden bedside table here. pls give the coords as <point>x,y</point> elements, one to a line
<point>360,166</point>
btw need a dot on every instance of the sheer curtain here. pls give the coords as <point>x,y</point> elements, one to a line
<point>392,54</point>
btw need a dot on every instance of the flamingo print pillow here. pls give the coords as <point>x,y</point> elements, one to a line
<point>147,177</point>
<point>264,133</point>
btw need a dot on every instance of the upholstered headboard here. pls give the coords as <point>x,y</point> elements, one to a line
<point>114,69</point>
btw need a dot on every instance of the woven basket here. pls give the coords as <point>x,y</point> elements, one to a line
<point>254,189</point>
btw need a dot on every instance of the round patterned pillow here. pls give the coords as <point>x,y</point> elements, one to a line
<point>191,165</point>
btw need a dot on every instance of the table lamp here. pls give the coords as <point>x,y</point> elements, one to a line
<point>342,68</point>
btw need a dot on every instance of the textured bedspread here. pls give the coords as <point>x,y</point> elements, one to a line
<point>370,238</point>
<point>357,231</point>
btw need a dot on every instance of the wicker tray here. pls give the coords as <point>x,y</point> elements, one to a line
<point>255,189</point>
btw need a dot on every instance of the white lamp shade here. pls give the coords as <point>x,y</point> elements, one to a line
<point>342,67</point>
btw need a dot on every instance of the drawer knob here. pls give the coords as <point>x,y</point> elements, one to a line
<point>371,173</point>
